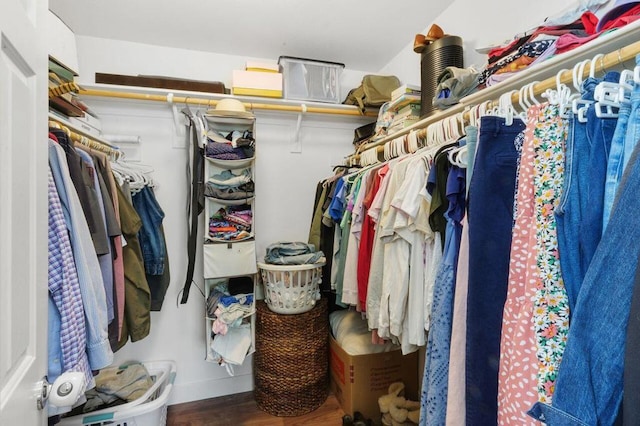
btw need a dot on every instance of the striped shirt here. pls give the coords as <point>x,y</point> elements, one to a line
<point>64,290</point>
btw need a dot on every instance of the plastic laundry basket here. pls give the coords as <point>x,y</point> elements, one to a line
<point>148,410</point>
<point>291,289</point>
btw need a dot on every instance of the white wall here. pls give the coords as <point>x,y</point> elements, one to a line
<point>479,24</point>
<point>285,188</point>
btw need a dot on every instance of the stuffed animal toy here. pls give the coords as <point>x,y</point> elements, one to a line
<point>396,410</point>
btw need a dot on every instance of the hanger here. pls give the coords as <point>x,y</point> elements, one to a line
<point>138,175</point>
<point>580,106</point>
<point>505,107</point>
<point>523,101</point>
<point>412,141</point>
<point>564,95</point>
<point>608,96</point>
<point>387,151</point>
<point>346,167</point>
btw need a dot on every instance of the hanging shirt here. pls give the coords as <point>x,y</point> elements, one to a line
<point>64,291</point>
<point>374,286</point>
<point>367,239</point>
<point>106,263</point>
<point>350,280</point>
<point>89,276</point>
<point>412,225</point>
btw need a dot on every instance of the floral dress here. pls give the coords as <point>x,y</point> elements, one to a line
<point>551,304</point>
<point>536,313</point>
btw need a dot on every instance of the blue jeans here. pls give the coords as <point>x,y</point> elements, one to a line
<point>600,134</point>
<point>633,128</point>
<point>150,236</point>
<point>579,214</point>
<point>295,253</point>
<point>615,163</point>
<point>589,385</point>
<point>490,221</point>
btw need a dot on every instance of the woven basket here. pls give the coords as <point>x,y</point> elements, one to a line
<point>291,360</point>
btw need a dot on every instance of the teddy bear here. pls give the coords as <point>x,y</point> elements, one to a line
<point>396,410</point>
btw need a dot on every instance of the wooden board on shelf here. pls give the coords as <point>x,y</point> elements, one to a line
<point>161,82</point>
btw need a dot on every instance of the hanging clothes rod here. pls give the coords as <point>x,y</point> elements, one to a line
<point>609,61</point>
<point>78,136</point>
<point>190,100</point>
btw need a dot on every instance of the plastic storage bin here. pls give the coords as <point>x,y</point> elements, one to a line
<point>148,410</point>
<point>311,80</point>
<point>291,289</point>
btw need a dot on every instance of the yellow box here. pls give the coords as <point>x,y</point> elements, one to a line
<point>255,83</point>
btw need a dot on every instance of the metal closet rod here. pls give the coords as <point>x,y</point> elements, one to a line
<point>606,62</point>
<point>212,102</point>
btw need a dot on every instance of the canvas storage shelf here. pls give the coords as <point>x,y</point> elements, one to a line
<point>224,258</point>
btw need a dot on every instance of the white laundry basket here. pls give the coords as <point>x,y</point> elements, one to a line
<point>291,289</point>
<point>148,410</point>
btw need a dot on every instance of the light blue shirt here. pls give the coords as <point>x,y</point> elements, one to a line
<point>89,275</point>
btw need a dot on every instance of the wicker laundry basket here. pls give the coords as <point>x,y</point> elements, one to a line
<point>291,365</point>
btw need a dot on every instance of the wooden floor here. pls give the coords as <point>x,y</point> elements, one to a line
<point>242,410</point>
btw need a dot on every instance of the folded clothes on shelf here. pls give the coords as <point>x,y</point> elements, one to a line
<point>231,223</point>
<point>234,145</point>
<point>229,186</point>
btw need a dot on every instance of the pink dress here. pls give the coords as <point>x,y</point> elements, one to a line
<point>517,379</point>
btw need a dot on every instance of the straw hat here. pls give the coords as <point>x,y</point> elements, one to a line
<point>230,108</point>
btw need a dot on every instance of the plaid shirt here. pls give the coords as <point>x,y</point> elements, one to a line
<point>64,290</point>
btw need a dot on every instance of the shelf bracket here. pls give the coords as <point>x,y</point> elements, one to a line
<point>296,146</point>
<point>177,120</point>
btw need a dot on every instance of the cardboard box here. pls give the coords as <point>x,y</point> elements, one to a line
<point>358,381</point>
<point>255,83</point>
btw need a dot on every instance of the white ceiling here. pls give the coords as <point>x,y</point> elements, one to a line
<point>362,34</point>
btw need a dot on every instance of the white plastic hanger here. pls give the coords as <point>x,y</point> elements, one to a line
<point>387,151</point>
<point>564,95</point>
<point>531,97</point>
<point>607,94</point>
<point>608,102</point>
<point>580,106</point>
<point>523,101</point>
<point>626,83</point>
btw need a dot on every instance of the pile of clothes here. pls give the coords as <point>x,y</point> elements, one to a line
<point>116,386</point>
<point>231,223</point>
<point>293,253</point>
<point>585,21</point>
<point>573,28</point>
<point>230,306</point>
<point>235,145</point>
